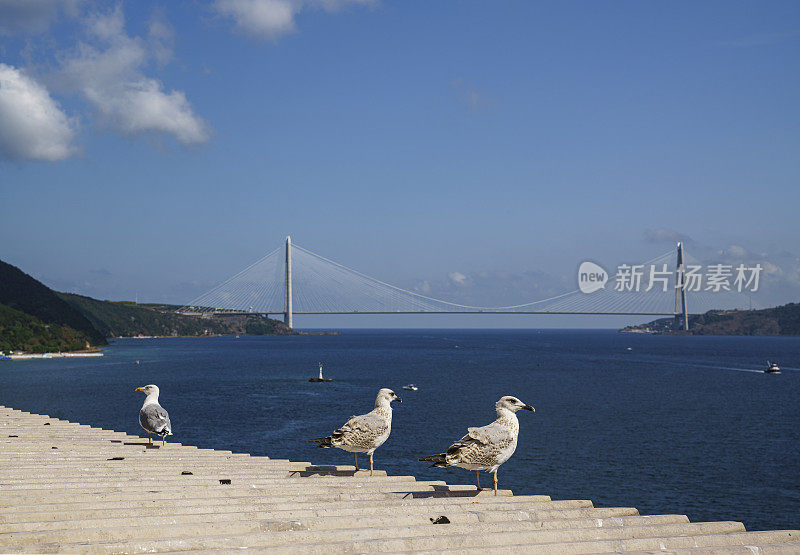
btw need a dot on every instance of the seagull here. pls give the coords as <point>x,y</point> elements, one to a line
<point>152,416</point>
<point>364,433</point>
<point>488,447</point>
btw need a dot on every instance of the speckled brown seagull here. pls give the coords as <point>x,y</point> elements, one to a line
<point>364,433</point>
<point>488,447</point>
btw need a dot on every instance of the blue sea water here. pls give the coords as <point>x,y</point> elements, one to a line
<point>667,424</point>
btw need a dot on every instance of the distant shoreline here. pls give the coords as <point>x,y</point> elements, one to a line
<point>777,321</point>
<point>35,356</point>
<point>210,335</point>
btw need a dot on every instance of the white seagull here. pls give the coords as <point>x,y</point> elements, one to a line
<point>152,416</point>
<point>364,433</point>
<point>488,447</point>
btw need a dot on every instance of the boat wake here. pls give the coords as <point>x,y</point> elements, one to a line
<point>727,368</point>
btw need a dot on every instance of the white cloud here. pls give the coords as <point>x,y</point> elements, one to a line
<point>32,126</point>
<point>109,74</point>
<point>269,19</point>
<point>736,250</point>
<point>265,19</point>
<point>492,288</point>
<point>161,37</point>
<point>424,287</point>
<point>32,16</point>
<point>771,269</point>
<point>458,278</point>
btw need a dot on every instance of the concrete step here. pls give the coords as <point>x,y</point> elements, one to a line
<point>66,486</point>
<point>131,464</point>
<point>126,463</point>
<point>88,474</point>
<point>326,515</point>
<point>297,507</point>
<point>380,538</point>
<point>760,549</point>
<point>493,538</point>
<point>148,465</point>
<point>742,542</point>
<point>278,486</point>
<point>97,452</point>
<point>137,480</point>
<point>419,524</point>
<point>365,540</point>
<point>265,494</point>
<point>284,487</point>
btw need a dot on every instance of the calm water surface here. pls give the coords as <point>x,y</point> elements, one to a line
<point>674,425</point>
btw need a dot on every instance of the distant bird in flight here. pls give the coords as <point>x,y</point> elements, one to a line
<point>152,416</point>
<point>364,433</point>
<point>488,447</point>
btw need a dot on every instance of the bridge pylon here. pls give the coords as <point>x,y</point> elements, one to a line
<point>681,316</point>
<point>287,303</point>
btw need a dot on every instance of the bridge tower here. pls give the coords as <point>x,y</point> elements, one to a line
<point>287,302</point>
<point>680,292</point>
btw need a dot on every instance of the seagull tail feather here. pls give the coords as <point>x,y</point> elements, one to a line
<point>439,460</point>
<point>324,442</point>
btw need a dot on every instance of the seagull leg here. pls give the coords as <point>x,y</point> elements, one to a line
<point>495,482</point>
<point>149,439</point>
<point>478,480</point>
<point>356,456</point>
<point>163,440</point>
<point>370,464</point>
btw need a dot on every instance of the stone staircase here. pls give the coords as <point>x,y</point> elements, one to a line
<point>73,488</point>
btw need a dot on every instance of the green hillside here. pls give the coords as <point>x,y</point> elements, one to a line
<point>126,319</point>
<point>37,319</point>
<point>779,320</point>
<point>21,292</point>
<point>23,332</point>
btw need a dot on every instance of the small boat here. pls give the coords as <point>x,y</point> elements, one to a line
<point>772,368</point>
<point>320,378</point>
<point>410,387</point>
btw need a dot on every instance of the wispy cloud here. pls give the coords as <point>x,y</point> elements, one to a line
<point>108,71</point>
<point>161,38</point>
<point>457,278</point>
<point>493,288</point>
<point>781,270</point>
<point>32,125</point>
<point>269,19</point>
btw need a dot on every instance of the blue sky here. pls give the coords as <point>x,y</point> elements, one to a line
<point>156,148</point>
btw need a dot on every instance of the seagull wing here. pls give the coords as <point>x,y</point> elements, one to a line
<point>154,418</point>
<point>480,446</point>
<point>491,433</point>
<point>360,431</point>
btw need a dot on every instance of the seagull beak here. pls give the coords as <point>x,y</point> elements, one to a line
<point>530,408</point>
<point>398,399</point>
<point>139,389</point>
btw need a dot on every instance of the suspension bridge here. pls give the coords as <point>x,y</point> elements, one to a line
<point>293,280</point>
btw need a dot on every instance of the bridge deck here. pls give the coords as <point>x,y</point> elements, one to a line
<point>551,313</point>
<point>70,487</point>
